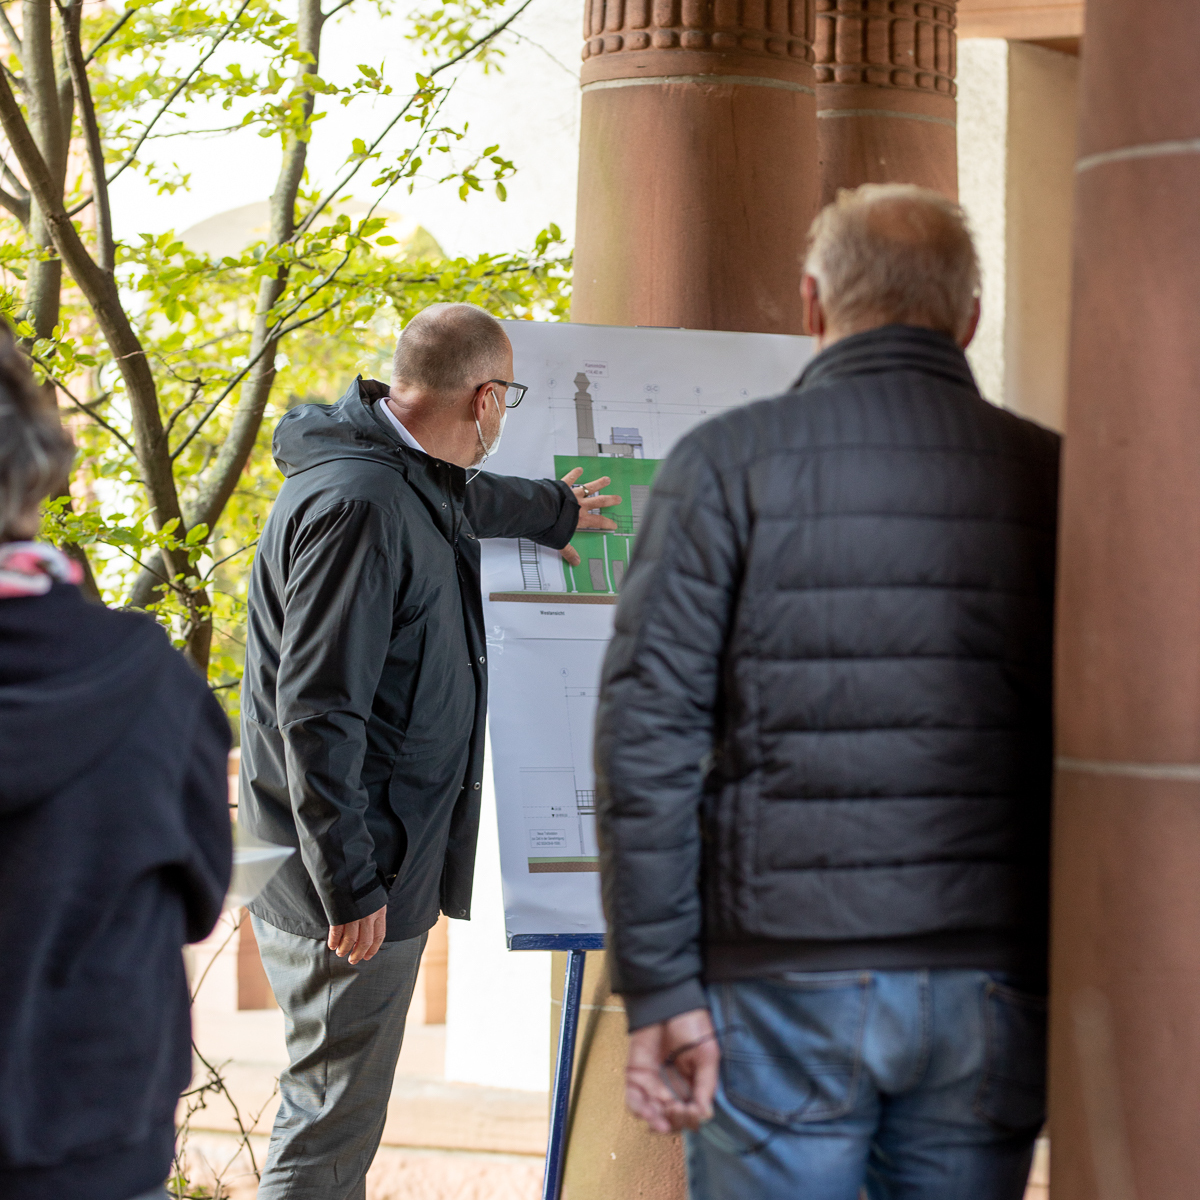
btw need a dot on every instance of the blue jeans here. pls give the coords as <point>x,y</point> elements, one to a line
<point>905,1085</point>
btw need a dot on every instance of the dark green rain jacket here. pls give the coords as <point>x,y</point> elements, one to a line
<point>365,689</point>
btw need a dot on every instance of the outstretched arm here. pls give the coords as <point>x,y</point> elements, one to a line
<point>545,511</point>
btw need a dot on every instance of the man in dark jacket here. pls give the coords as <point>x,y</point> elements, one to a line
<point>114,851</point>
<point>824,753</point>
<point>363,713</point>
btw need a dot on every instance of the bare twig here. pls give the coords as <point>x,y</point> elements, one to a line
<point>337,8</point>
<point>189,132</point>
<point>276,331</point>
<point>14,39</point>
<point>112,31</point>
<point>129,158</point>
<point>217,954</point>
<point>220,1087</point>
<point>197,388</point>
<point>325,200</point>
<point>14,181</point>
<point>85,407</point>
<point>15,205</point>
<point>14,80</point>
<point>91,132</point>
<point>558,62</point>
<point>220,561</point>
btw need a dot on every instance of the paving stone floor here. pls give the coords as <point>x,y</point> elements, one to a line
<point>443,1140</point>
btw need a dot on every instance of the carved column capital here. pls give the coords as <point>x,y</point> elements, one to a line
<point>887,43</point>
<point>885,93</point>
<point>654,38</point>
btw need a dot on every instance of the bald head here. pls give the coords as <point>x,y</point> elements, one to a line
<point>894,254</point>
<point>447,348</point>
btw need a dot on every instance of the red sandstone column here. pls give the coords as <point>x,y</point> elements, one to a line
<point>697,171</point>
<point>1125,980</point>
<point>885,94</point>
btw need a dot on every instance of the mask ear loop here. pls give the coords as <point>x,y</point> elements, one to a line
<point>483,446</point>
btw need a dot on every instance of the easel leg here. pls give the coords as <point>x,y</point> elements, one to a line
<point>560,1100</point>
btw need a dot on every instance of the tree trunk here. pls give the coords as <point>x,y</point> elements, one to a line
<point>221,478</point>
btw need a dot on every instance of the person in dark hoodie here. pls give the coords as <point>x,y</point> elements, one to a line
<point>115,849</point>
<point>363,713</point>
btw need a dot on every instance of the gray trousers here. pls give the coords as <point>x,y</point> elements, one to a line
<point>344,1029</point>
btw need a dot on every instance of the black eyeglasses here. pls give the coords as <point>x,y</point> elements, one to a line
<point>519,388</point>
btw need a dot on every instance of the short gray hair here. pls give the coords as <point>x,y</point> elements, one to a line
<point>897,253</point>
<point>448,347</point>
<point>35,451</point>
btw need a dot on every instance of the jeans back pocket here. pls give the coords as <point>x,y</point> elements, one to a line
<point>1012,1093</point>
<point>791,1052</point>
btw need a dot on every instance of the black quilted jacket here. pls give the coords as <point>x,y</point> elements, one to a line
<point>824,737</point>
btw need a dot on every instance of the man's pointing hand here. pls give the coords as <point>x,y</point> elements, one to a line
<point>590,503</point>
<point>359,939</point>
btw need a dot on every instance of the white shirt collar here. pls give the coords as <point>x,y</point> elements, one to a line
<point>406,437</point>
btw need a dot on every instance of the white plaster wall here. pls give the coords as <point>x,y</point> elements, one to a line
<point>982,160</point>
<point>498,1001</point>
<point>1042,125</point>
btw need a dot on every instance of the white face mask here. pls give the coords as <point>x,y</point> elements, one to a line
<point>488,451</point>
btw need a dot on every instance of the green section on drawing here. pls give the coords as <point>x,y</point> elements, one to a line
<point>605,556</point>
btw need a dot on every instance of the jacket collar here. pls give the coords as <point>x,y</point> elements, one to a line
<point>430,477</point>
<point>886,349</point>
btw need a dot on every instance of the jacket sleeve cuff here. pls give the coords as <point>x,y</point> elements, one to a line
<point>649,1008</point>
<point>563,530</point>
<point>341,910</point>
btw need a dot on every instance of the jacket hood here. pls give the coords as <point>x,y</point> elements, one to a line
<point>312,434</point>
<point>890,348</point>
<point>72,719</point>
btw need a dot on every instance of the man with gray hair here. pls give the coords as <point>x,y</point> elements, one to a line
<point>823,753</point>
<point>363,709</point>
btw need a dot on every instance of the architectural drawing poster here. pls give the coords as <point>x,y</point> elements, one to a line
<point>612,401</point>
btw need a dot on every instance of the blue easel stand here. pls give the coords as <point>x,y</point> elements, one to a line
<point>560,1099</point>
<point>576,947</point>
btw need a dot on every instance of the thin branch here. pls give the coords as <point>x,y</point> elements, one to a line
<point>212,408</point>
<point>113,29</point>
<point>325,200</point>
<point>167,103</point>
<point>87,409</point>
<point>282,333</point>
<point>221,561</point>
<point>170,583</point>
<point>277,331</point>
<point>14,182</point>
<point>538,46</point>
<point>197,387</point>
<point>14,39</point>
<point>15,205</point>
<point>91,133</point>
<point>216,955</point>
<point>15,80</point>
<point>337,8</point>
<point>197,132</point>
<point>220,1086</point>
